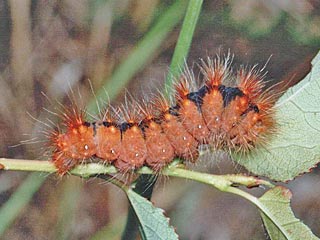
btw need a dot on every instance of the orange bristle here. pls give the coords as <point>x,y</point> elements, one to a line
<point>215,71</point>
<point>181,89</point>
<point>251,83</point>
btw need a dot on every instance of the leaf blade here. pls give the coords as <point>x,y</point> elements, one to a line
<point>277,201</point>
<point>153,223</point>
<point>184,42</point>
<point>295,148</point>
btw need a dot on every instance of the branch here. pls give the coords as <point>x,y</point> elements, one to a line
<point>175,169</point>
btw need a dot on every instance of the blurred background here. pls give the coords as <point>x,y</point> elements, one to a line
<point>124,46</point>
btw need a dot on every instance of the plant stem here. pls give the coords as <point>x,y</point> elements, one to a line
<point>145,185</point>
<point>26,165</point>
<point>219,181</point>
<point>46,166</point>
<point>175,169</point>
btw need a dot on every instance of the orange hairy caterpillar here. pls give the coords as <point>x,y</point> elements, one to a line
<point>233,118</point>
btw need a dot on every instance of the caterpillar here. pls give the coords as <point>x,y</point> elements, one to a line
<point>232,118</point>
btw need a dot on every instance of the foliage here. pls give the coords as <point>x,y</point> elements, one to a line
<point>295,148</point>
<point>293,151</point>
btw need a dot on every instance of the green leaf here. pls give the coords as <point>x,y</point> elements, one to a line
<point>277,201</point>
<point>185,38</point>
<point>295,148</point>
<point>154,225</point>
<point>144,187</point>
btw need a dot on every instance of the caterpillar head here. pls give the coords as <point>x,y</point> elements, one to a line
<point>73,146</point>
